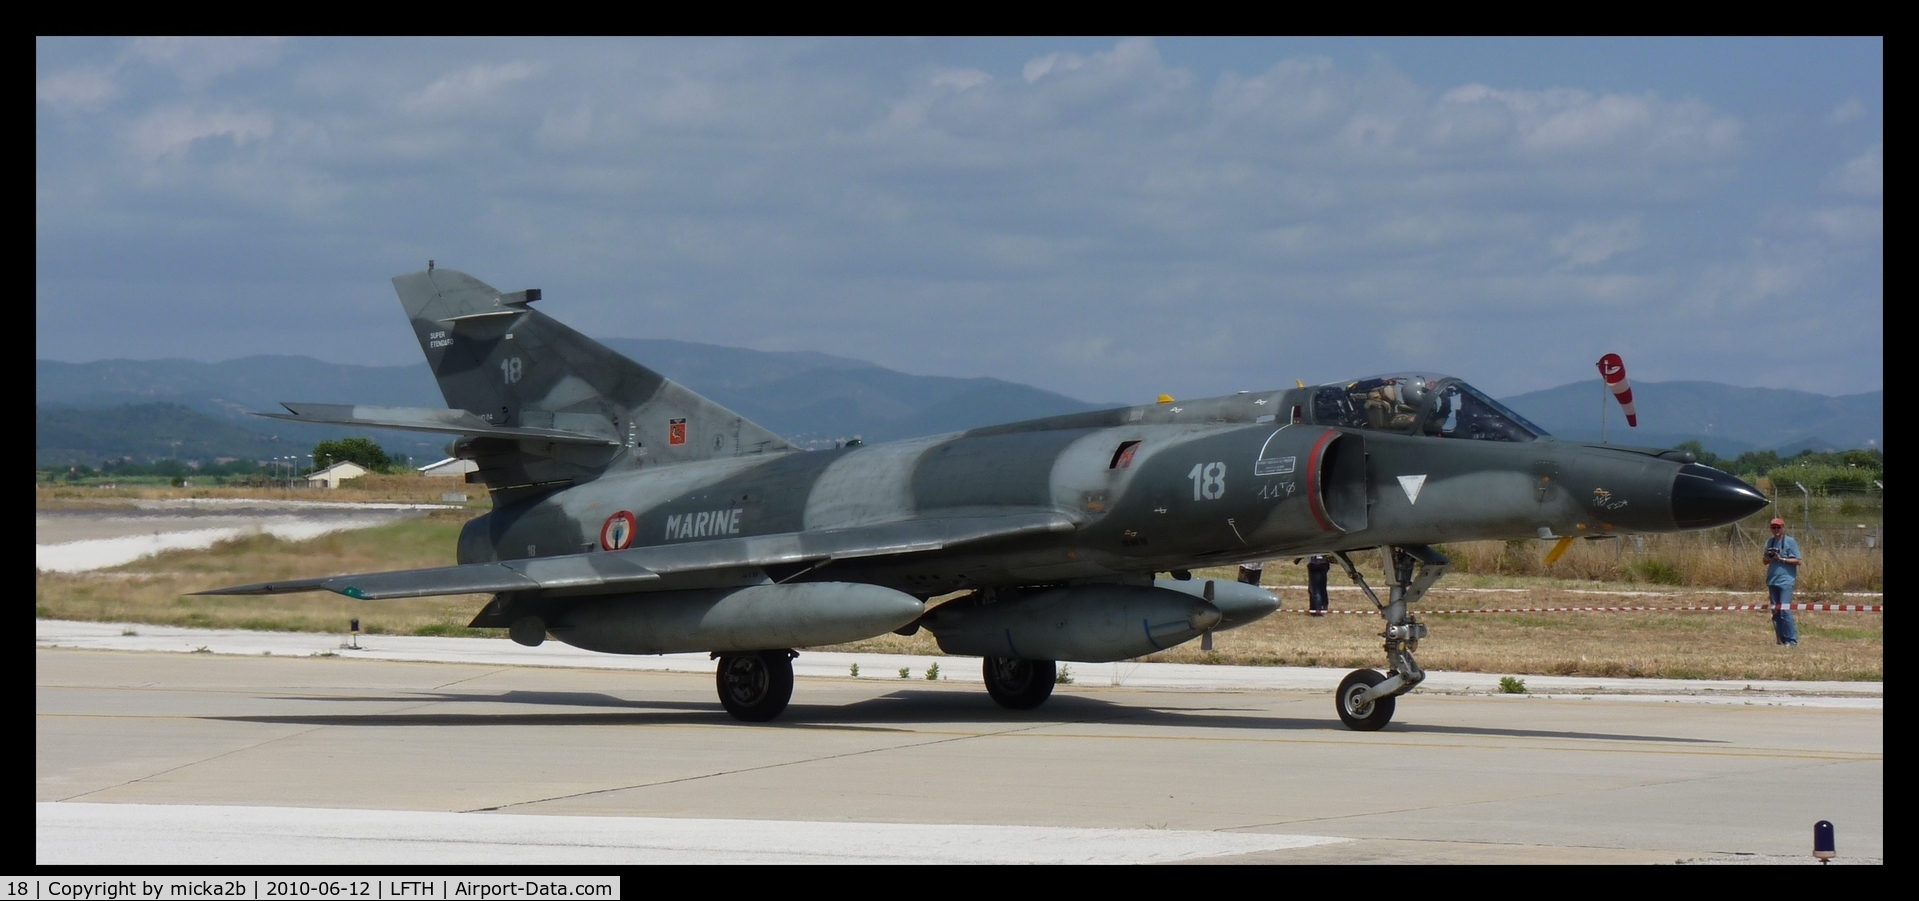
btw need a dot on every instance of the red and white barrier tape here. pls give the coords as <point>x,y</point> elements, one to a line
<point>1835,608</point>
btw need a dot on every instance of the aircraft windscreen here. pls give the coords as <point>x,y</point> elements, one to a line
<point>1460,411</point>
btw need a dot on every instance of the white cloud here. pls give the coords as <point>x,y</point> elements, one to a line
<point>466,87</point>
<point>1568,121</point>
<point>961,79</point>
<point>1083,350</point>
<point>1039,68</point>
<point>1851,225</point>
<point>1105,224</point>
<point>77,90</point>
<point>1846,112</point>
<point>562,130</point>
<point>1864,174</point>
<point>200,61</point>
<point>1588,243</point>
<point>171,131</point>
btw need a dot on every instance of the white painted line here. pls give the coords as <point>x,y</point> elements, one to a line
<point>75,834</point>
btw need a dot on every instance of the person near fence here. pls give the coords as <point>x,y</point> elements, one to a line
<point>1782,572</point>
<point>1316,568</point>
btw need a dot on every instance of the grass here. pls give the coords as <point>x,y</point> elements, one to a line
<point>156,589</point>
<point>1720,558</point>
<point>411,489</point>
<point>1664,642</point>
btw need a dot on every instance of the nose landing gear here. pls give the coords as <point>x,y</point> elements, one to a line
<point>1366,699</point>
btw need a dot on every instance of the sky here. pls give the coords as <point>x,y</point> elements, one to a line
<point>1108,218</point>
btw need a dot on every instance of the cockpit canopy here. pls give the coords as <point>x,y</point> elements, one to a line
<point>1420,404</point>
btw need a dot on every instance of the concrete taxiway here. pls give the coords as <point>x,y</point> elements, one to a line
<point>287,749</point>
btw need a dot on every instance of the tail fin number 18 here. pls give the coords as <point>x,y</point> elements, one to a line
<point>510,369</point>
<point>1209,481</point>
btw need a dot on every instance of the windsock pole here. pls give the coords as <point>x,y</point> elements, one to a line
<point>1602,409</point>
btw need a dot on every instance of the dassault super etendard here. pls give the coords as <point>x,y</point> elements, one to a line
<point>633,516</point>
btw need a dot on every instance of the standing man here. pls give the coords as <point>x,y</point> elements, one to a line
<point>1316,600</point>
<point>1782,572</point>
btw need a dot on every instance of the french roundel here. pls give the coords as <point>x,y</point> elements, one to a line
<point>618,531</point>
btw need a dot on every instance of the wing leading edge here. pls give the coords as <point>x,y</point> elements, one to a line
<point>631,569</point>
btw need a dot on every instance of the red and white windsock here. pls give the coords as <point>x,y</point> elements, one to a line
<point>1613,370</point>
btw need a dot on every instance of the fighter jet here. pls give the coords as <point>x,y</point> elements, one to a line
<point>633,516</point>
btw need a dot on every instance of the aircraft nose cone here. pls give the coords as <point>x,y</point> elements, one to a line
<point>1703,497</point>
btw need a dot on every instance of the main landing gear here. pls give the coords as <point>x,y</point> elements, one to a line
<point>1366,699</point>
<point>1020,684</point>
<point>755,687</point>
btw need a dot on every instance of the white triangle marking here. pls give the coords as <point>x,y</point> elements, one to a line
<point>1411,485</point>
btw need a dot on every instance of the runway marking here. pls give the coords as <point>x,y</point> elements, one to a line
<point>148,834</point>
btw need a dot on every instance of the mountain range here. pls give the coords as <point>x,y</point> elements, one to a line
<point>88,412</point>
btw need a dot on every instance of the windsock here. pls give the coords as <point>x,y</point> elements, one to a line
<point>1613,370</point>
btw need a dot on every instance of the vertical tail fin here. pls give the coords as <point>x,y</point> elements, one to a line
<point>496,356</point>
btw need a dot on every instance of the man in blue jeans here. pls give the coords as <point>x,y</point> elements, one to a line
<point>1782,571</point>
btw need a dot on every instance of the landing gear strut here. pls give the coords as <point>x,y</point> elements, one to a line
<point>756,687</point>
<point>1020,684</point>
<point>1365,700</point>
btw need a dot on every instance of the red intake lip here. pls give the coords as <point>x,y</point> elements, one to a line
<point>1312,481</point>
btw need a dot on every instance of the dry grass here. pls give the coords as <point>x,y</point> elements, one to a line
<point>1665,643</point>
<point>155,589</point>
<point>1695,560</point>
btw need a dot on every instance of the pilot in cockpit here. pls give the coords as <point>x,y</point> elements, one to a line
<point>1394,403</point>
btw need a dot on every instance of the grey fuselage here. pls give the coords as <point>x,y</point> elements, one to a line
<point>1207,482</point>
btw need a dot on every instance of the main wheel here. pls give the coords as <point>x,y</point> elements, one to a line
<point>1365,716</point>
<point>1020,684</point>
<point>756,687</point>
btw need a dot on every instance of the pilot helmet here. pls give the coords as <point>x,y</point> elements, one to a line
<point>1413,391</point>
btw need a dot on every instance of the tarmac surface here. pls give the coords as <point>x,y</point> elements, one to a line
<point>195,747</point>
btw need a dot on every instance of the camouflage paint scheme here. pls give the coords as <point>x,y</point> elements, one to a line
<point>615,488</point>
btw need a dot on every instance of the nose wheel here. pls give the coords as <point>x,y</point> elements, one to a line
<point>756,687</point>
<point>1366,699</point>
<point>1355,710</point>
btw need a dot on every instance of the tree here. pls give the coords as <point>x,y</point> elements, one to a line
<point>352,450</point>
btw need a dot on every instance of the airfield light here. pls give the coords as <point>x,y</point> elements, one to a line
<point>1822,844</point>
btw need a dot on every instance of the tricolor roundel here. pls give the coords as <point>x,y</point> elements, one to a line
<point>618,531</point>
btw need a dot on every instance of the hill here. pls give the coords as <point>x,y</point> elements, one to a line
<point>68,436</point>
<point>814,399</point>
<point>1724,419</point>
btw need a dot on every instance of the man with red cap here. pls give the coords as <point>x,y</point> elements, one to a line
<point>1782,572</point>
